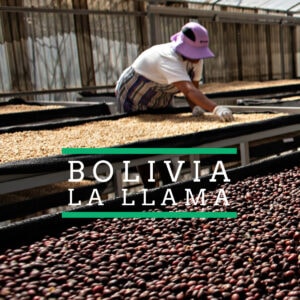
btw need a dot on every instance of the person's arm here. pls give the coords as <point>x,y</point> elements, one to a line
<point>196,98</point>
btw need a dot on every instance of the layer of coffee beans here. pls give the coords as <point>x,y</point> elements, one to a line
<point>255,256</point>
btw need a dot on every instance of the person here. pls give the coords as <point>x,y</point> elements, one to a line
<point>164,70</point>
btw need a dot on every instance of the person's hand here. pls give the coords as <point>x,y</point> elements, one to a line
<point>224,113</point>
<point>197,111</point>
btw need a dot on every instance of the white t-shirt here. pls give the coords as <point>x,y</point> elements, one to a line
<point>163,65</point>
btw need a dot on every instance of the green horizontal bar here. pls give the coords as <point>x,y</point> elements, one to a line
<point>144,215</point>
<point>183,151</point>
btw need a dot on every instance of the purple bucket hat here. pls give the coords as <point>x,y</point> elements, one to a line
<point>192,41</point>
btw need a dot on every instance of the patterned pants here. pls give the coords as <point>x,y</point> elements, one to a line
<point>135,92</point>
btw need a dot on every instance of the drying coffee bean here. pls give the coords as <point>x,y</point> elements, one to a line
<point>255,256</point>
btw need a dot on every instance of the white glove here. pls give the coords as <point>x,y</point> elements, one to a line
<point>224,113</point>
<point>197,111</point>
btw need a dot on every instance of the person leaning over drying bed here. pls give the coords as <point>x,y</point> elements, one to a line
<point>167,69</point>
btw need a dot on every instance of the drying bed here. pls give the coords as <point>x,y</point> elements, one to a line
<point>255,256</point>
<point>48,116</point>
<point>18,175</point>
<point>110,132</point>
<point>18,108</point>
<point>226,131</point>
<point>43,200</point>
